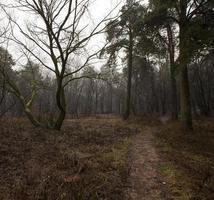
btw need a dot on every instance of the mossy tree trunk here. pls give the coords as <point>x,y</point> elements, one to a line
<point>26,104</point>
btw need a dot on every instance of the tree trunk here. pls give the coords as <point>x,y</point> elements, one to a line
<point>204,105</point>
<point>27,110</point>
<point>171,49</point>
<point>186,115</point>
<point>129,83</point>
<point>61,104</point>
<point>31,118</point>
<point>174,101</point>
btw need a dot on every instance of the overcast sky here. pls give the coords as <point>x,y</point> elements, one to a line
<point>98,10</point>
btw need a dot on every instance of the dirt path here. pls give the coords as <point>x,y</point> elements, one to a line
<point>144,181</point>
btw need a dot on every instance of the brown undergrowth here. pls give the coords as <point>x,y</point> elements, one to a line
<point>188,159</point>
<point>86,160</point>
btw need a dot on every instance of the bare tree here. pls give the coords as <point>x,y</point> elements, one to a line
<point>60,36</point>
<point>3,32</point>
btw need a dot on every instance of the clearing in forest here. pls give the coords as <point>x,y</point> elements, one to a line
<point>87,159</point>
<point>106,158</point>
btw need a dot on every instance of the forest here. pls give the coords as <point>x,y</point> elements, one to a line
<point>107,100</point>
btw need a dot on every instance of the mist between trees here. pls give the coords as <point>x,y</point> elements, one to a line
<point>165,47</point>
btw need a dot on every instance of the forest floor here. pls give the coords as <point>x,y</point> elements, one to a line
<point>106,158</point>
<point>187,163</point>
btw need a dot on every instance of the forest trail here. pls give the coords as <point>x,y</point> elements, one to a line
<point>144,182</point>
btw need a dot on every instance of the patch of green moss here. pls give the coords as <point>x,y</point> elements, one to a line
<point>198,158</point>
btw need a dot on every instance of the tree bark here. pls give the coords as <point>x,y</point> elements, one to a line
<point>171,49</point>
<point>25,104</point>
<point>31,118</point>
<point>186,114</point>
<point>129,83</point>
<point>185,103</point>
<point>61,104</point>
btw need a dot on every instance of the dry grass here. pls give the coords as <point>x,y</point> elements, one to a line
<point>189,159</point>
<point>86,160</point>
